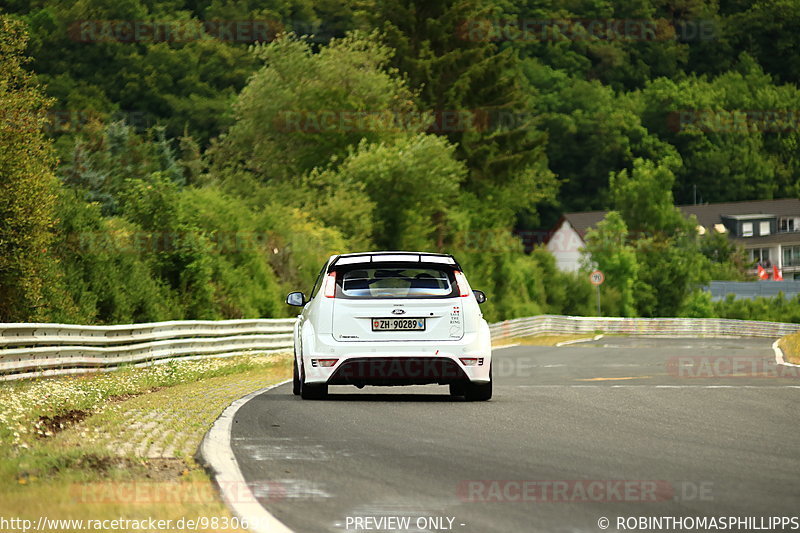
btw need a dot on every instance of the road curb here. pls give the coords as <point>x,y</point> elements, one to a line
<point>779,355</point>
<point>216,455</point>
<point>576,341</point>
<point>494,348</point>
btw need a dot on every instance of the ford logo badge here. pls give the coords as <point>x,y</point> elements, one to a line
<point>398,312</point>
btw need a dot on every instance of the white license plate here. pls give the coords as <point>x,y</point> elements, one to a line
<point>398,324</point>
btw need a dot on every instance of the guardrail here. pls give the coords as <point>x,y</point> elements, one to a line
<point>28,350</point>
<point>664,327</point>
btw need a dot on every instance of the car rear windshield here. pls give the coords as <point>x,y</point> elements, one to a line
<point>397,282</point>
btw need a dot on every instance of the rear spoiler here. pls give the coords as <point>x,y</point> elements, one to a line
<point>394,257</point>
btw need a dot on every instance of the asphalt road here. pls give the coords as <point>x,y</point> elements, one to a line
<point>619,427</point>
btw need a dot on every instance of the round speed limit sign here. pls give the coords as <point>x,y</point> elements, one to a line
<point>596,277</point>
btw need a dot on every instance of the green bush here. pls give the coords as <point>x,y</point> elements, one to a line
<point>107,275</point>
<point>778,309</point>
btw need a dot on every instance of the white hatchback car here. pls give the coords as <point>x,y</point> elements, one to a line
<point>392,318</point>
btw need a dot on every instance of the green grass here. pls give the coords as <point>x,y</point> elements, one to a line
<point>83,470</point>
<point>28,406</point>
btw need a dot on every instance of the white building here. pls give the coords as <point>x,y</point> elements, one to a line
<point>769,230</point>
<point>567,239</point>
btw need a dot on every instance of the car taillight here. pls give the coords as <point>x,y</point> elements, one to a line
<point>461,281</point>
<point>469,361</point>
<point>323,362</point>
<point>330,285</point>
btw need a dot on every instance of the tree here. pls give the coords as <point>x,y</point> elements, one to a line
<point>769,30</point>
<point>101,158</point>
<point>734,134</point>
<point>460,72</point>
<point>608,249</point>
<point>727,260</point>
<point>565,293</point>
<point>107,269</point>
<point>644,198</point>
<point>665,243</point>
<point>622,44</point>
<point>27,183</point>
<point>588,118</point>
<point>697,305</point>
<point>411,185</point>
<point>303,109</point>
<point>93,67</point>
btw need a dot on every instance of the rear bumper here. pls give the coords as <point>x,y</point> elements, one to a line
<point>397,371</point>
<point>399,363</point>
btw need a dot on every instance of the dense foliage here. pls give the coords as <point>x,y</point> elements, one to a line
<point>28,184</point>
<point>199,159</point>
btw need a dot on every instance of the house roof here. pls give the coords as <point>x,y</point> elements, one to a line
<point>707,214</point>
<point>784,239</point>
<point>581,222</point>
<point>750,217</point>
<point>710,214</point>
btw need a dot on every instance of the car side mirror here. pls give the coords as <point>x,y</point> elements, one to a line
<point>298,299</point>
<point>480,296</point>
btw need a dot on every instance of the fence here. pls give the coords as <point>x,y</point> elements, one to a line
<point>48,349</point>
<point>752,289</point>
<point>28,350</point>
<point>664,327</point>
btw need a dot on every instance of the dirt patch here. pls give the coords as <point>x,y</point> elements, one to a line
<point>105,465</point>
<point>166,469</point>
<point>122,397</point>
<point>102,463</point>
<point>155,469</point>
<point>48,426</point>
<point>90,462</point>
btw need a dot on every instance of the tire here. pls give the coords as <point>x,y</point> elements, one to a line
<point>312,392</point>
<point>458,388</point>
<point>295,379</point>
<point>479,392</point>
